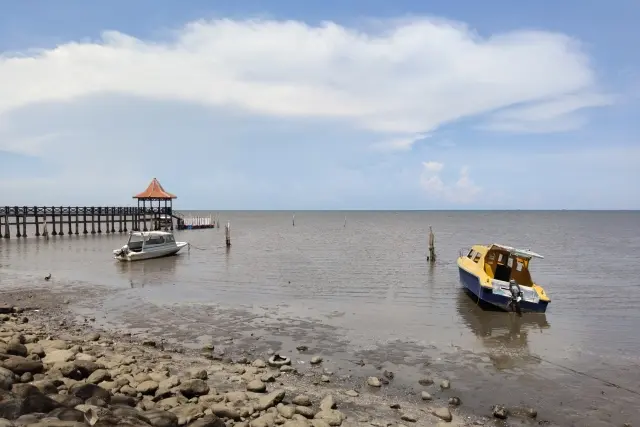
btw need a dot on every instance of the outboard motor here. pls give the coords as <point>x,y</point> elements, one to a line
<point>516,296</point>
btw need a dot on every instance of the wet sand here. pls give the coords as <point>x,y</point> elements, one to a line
<point>245,332</point>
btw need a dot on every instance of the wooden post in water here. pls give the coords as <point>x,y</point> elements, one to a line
<point>227,234</point>
<point>7,230</point>
<point>432,247</point>
<point>35,215</point>
<point>61,233</point>
<point>69,220</point>
<point>24,221</point>
<point>53,221</point>
<point>294,220</point>
<point>76,219</point>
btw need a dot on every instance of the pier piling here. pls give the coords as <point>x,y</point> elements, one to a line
<point>432,246</point>
<point>227,234</point>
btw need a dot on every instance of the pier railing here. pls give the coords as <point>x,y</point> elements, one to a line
<point>58,220</point>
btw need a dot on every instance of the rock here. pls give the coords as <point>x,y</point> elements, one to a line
<point>198,374</point>
<point>325,379</point>
<point>332,417</point>
<point>236,396</point>
<point>352,393</point>
<point>316,360</point>
<point>409,417</point>
<point>187,413</point>
<point>327,403</point>
<point>287,368</point>
<point>66,400</point>
<point>443,413</point>
<point>148,387</point>
<point>256,386</point>
<point>16,348</point>
<point>302,400</point>
<point>58,356</point>
<point>270,400</point>
<point>305,411</point>
<point>297,423</point>
<point>223,411</point>
<point>499,412</point>
<point>6,423</point>
<point>193,388</point>
<point>34,348</point>
<point>67,414</point>
<point>445,385</point>
<point>426,396</point>
<point>455,401</point>
<point>268,378</point>
<point>19,365</point>
<point>388,374</point>
<point>374,382</point>
<point>208,421</point>
<point>158,418</point>
<point>266,420</point>
<point>7,378</point>
<point>93,337</point>
<point>88,391</point>
<point>259,363</point>
<point>6,309</point>
<point>169,383</point>
<point>302,348</point>
<point>425,382</point>
<point>286,411</point>
<point>99,376</point>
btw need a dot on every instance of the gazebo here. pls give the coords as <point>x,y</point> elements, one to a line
<point>155,193</point>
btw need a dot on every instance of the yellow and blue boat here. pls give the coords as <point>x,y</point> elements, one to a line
<point>499,275</point>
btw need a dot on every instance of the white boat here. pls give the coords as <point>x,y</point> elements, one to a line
<point>148,244</point>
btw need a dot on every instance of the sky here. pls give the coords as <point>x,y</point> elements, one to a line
<point>359,104</point>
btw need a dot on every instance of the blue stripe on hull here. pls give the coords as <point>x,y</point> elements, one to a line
<point>472,284</point>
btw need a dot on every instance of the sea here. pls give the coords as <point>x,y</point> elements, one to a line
<point>357,286</point>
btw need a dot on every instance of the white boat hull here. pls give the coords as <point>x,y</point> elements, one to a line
<point>151,252</point>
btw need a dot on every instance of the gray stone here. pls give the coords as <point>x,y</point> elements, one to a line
<point>445,385</point>
<point>500,412</point>
<point>19,365</point>
<point>58,356</point>
<point>7,378</point>
<point>256,386</point>
<point>266,420</point>
<point>208,421</point>
<point>425,382</point>
<point>259,363</point>
<point>193,388</point>
<point>286,411</point>
<point>158,418</point>
<point>270,400</point>
<point>16,348</point>
<point>147,387</point>
<point>332,417</point>
<point>99,376</point>
<point>409,417</point>
<point>302,400</point>
<point>305,411</point>
<point>316,360</point>
<point>426,396</point>
<point>443,413</point>
<point>352,393</point>
<point>327,403</point>
<point>374,382</point>
<point>224,411</point>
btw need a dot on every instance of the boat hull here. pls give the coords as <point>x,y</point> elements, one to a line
<point>152,253</point>
<point>471,283</point>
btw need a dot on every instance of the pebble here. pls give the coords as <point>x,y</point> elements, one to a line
<point>445,385</point>
<point>425,382</point>
<point>316,360</point>
<point>325,379</point>
<point>455,401</point>
<point>499,412</point>
<point>352,393</point>
<point>409,417</point>
<point>374,382</point>
<point>443,413</point>
<point>426,396</point>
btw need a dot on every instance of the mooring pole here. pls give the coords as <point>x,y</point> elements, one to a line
<point>432,248</point>
<point>227,234</point>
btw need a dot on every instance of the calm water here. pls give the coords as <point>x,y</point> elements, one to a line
<point>370,282</point>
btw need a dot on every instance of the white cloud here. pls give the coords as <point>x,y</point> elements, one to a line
<point>400,143</point>
<point>408,77</point>
<point>462,191</point>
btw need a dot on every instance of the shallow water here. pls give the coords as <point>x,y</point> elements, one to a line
<point>364,289</point>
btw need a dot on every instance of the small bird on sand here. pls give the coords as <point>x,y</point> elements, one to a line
<point>47,277</point>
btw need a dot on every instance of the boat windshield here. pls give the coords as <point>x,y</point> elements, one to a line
<point>135,242</point>
<point>505,266</point>
<point>155,240</point>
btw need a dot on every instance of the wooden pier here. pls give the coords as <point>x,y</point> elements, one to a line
<point>60,220</point>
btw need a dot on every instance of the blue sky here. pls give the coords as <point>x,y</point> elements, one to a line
<point>322,105</point>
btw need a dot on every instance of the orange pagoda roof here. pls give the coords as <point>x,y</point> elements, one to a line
<point>155,191</point>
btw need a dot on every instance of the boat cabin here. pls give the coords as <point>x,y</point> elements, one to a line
<point>140,240</point>
<point>504,263</point>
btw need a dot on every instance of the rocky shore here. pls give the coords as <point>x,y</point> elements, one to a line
<point>57,372</point>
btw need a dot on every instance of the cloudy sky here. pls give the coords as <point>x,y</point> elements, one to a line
<point>359,104</point>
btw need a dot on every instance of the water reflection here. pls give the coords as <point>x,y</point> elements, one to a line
<point>149,272</point>
<point>504,335</point>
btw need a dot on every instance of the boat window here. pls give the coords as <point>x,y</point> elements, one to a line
<point>519,265</point>
<point>169,239</point>
<point>155,240</point>
<point>477,258</point>
<point>510,262</point>
<point>500,258</point>
<point>471,254</point>
<point>491,256</point>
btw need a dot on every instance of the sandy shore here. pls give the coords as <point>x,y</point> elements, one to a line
<point>83,375</point>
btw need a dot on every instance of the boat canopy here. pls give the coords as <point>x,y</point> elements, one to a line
<point>150,233</point>
<point>524,253</point>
